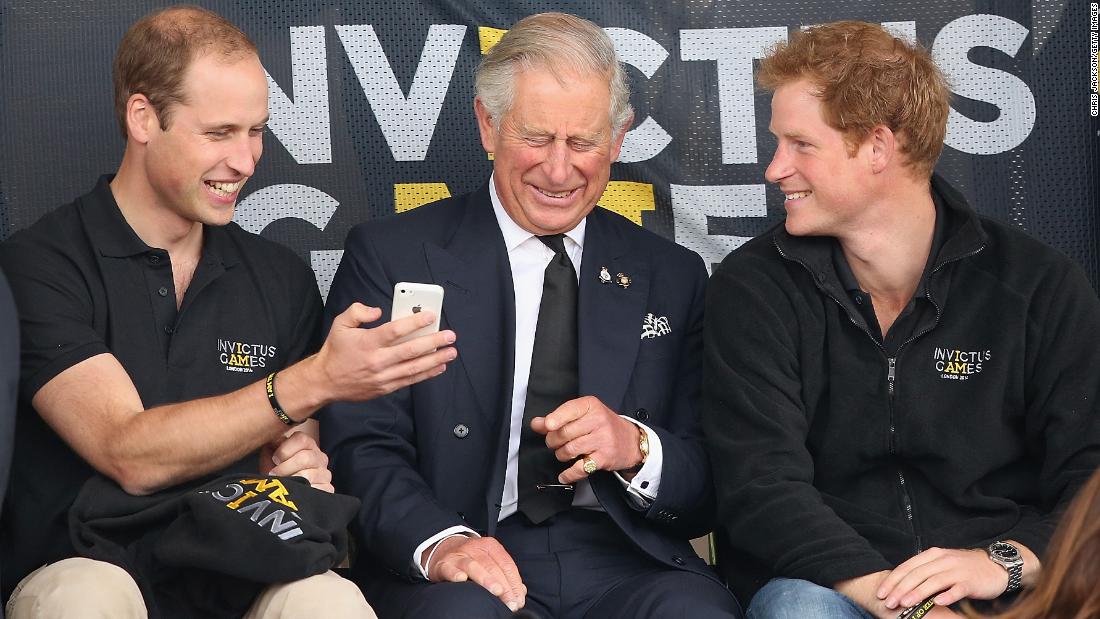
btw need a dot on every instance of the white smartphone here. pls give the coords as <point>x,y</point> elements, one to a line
<point>411,298</point>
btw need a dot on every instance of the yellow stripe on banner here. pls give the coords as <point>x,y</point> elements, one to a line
<point>407,196</point>
<point>629,199</point>
<point>488,37</point>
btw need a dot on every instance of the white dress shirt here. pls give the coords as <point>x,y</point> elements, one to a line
<point>528,257</point>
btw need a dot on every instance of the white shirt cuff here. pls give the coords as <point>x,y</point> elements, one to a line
<point>642,490</point>
<point>455,531</point>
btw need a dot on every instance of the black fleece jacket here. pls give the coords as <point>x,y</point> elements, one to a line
<point>834,460</point>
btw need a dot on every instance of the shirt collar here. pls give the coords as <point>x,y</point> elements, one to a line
<point>114,238</point>
<point>106,226</point>
<point>514,235</point>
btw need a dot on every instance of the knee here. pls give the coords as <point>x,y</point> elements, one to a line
<point>788,598</point>
<point>457,600</point>
<point>77,588</point>
<point>694,607</point>
<point>325,595</point>
<point>676,594</point>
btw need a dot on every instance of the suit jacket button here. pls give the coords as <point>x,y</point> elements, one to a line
<point>677,559</point>
<point>461,431</point>
<point>641,414</point>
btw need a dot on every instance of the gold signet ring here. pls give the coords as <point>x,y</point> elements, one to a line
<point>590,465</point>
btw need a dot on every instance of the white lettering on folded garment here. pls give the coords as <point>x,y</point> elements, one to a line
<point>281,521</point>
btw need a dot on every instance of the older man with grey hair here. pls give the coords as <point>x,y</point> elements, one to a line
<point>560,466</point>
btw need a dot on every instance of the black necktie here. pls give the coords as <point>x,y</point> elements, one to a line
<point>553,381</point>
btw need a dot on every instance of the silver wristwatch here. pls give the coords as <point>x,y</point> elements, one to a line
<point>1008,556</point>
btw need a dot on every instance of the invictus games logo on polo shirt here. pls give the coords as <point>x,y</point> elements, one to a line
<point>242,356</point>
<point>955,364</point>
<point>265,502</point>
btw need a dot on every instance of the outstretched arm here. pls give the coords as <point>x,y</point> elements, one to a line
<point>96,409</point>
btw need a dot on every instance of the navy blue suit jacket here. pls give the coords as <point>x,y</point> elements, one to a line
<point>406,456</point>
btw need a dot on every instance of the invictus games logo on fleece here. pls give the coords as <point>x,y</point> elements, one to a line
<point>243,357</point>
<point>953,364</point>
<point>254,498</point>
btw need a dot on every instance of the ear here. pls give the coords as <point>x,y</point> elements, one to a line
<point>485,127</point>
<point>141,118</point>
<point>617,145</point>
<point>883,147</point>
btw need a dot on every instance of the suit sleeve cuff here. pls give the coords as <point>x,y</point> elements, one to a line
<point>642,490</point>
<point>418,554</point>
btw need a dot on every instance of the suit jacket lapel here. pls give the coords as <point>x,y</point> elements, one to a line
<point>478,303</point>
<point>610,316</point>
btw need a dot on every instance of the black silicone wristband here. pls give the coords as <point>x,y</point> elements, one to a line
<point>271,399</point>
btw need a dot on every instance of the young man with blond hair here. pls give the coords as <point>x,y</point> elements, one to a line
<point>900,395</point>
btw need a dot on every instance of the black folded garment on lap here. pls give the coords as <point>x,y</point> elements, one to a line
<point>208,550</point>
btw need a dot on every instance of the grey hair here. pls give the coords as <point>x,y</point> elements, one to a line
<point>561,44</point>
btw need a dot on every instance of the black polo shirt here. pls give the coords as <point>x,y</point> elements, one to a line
<point>85,284</point>
<point>9,381</point>
<point>911,314</point>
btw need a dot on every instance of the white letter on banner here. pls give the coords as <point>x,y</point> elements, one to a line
<point>640,51</point>
<point>905,30</point>
<point>406,122</point>
<point>973,81</point>
<point>693,204</point>
<point>734,49</point>
<point>302,125</point>
<point>272,203</point>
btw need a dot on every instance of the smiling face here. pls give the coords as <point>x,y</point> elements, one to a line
<point>827,189</point>
<point>553,152</point>
<point>196,167</point>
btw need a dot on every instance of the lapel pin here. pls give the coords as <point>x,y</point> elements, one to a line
<point>622,279</point>
<point>605,277</point>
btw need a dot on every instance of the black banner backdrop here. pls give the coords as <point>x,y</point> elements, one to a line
<point>371,107</point>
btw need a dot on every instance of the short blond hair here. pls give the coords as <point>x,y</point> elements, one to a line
<point>156,51</point>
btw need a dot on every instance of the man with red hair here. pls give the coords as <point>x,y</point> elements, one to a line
<point>899,394</point>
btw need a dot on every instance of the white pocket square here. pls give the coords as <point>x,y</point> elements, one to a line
<point>655,326</point>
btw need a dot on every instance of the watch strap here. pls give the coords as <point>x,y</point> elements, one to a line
<point>643,444</point>
<point>1015,577</point>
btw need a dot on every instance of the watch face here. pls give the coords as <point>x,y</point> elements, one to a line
<point>1004,551</point>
